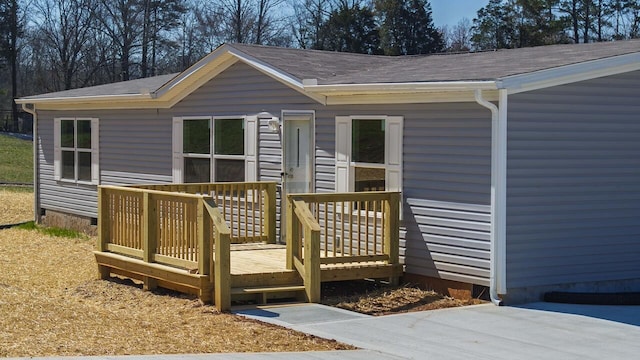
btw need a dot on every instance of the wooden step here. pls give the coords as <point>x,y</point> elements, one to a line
<point>262,291</point>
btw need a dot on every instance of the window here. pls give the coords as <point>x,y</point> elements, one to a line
<point>214,149</point>
<point>368,153</point>
<point>76,150</point>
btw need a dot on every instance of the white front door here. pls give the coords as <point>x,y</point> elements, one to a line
<point>298,152</point>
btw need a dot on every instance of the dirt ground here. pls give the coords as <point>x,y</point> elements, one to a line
<point>16,205</point>
<point>52,305</point>
<point>376,298</point>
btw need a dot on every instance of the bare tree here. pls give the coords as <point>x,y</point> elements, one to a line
<point>459,36</point>
<point>66,30</point>
<point>240,20</point>
<point>121,21</point>
<point>269,30</point>
<point>161,17</point>
<point>11,27</point>
<point>309,17</point>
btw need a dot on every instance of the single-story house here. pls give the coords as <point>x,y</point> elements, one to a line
<point>519,169</point>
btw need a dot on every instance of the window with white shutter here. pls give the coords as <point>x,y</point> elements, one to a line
<point>368,153</point>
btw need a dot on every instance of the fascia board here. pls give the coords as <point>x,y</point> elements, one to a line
<point>410,98</point>
<point>571,73</point>
<point>102,105</point>
<point>408,87</point>
<point>186,86</point>
<point>76,99</point>
<point>217,58</point>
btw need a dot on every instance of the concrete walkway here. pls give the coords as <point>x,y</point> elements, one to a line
<point>534,331</point>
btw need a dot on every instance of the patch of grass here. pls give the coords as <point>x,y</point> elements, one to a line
<point>59,232</point>
<point>53,231</point>
<point>31,225</point>
<point>16,160</point>
<point>17,189</point>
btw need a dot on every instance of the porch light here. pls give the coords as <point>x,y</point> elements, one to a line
<point>274,124</point>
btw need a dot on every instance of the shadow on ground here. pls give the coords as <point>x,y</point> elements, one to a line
<point>622,314</point>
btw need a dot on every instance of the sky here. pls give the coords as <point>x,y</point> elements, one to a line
<point>449,12</point>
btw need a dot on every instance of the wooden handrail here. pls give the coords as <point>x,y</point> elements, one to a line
<point>309,268</point>
<point>305,216</point>
<point>340,228</point>
<point>222,262</point>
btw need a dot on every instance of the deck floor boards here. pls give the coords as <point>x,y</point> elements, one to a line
<point>258,258</point>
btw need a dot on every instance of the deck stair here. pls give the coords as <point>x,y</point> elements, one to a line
<point>262,293</point>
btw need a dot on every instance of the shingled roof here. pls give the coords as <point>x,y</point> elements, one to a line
<point>344,68</point>
<point>336,68</point>
<point>131,87</point>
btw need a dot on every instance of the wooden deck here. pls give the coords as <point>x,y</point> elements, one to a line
<point>218,240</point>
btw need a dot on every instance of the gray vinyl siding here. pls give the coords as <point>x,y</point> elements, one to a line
<point>133,150</point>
<point>58,195</point>
<point>446,162</point>
<point>447,178</point>
<point>446,184</point>
<point>573,187</point>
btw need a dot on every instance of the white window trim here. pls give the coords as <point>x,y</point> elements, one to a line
<point>344,167</point>
<point>95,151</point>
<point>250,146</point>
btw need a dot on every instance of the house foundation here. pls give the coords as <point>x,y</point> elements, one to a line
<point>83,224</point>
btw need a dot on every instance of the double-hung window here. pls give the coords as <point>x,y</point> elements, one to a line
<point>214,149</point>
<point>76,156</point>
<point>368,153</point>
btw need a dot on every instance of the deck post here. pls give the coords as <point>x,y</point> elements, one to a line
<point>292,234</point>
<point>149,236</point>
<point>270,213</point>
<point>312,282</point>
<point>204,239</point>
<point>392,231</point>
<point>222,271</point>
<point>103,229</point>
<point>103,219</point>
<point>222,256</point>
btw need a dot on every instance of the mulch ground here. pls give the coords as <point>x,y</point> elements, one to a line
<point>52,305</point>
<point>377,298</point>
<point>16,205</point>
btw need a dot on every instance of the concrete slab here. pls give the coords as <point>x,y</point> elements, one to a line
<point>535,331</point>
<point>297,314</point>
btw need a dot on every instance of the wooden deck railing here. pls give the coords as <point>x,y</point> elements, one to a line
<point>181,225</point>
<point>340,228</point>
<point>156,232</point>
<point>249,208</point>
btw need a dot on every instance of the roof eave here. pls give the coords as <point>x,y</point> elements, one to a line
<point>407,87</point>
<point>125,101</point>
<point>570,73</point>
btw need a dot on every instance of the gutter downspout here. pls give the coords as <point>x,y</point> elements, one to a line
<point>497,278</point>
<point>36,162</point>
